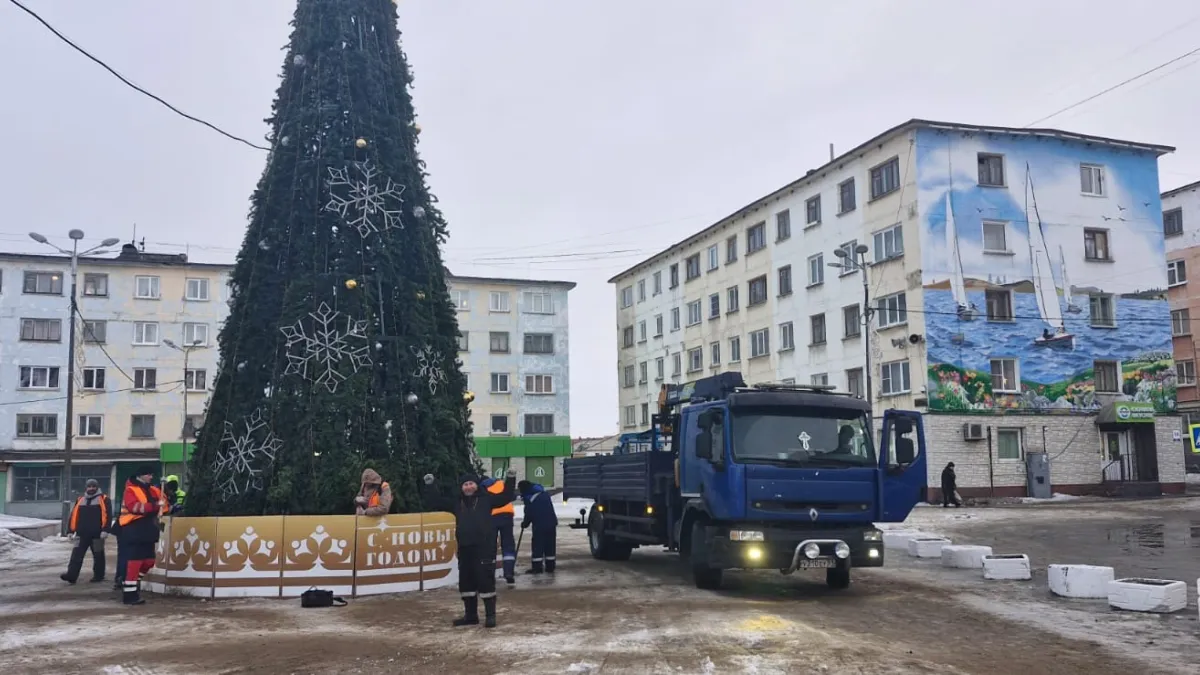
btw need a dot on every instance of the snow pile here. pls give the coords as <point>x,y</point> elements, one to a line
<point>1058,497</point>
<point>18,522</point>
<point>16,550</point>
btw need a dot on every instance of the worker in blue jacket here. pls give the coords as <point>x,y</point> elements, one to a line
<point>540,515</point>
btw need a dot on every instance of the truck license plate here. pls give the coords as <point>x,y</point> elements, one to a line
<point>819,564</point>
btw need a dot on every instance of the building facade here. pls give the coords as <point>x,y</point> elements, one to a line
<point>1181,227</point>
<point>514,349</point>
<point>1005,323</point>
<point>142,317</point>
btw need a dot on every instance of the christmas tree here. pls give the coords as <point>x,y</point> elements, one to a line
<point>340,350</point>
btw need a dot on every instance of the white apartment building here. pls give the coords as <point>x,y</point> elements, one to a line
<point>514,349</point>
<point>131,385</point>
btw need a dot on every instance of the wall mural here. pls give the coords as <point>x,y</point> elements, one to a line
<point>1080,278</point>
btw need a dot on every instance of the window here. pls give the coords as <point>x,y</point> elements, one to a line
<point>95,332</point>
<point>627,376</point>
<point>464,342</point>
<point>657,283</point>
<point>785,280</point>
<point>195,334</point>
<point>714,354</point>
<point>812,211</point>
<point>760,343</point>
<point>1004,376</point>
<point>1008,445</point>
<point>93,379</point>
<point>695,358</point>
<point>36,484</point>
<point>145,379</point>
<point>1172,222</point>
<point>1091,180</point>
<point>197,290</point>
<point>714,306</point>
<point>1102,314</point>
<point>787,337</point>
<point>848,262</point>
<point>674,275</point>
<point>642,331</point>
<point>851,321</point>
<point>658,325</point>
<point>714,257</point>
<point>627,297</point>
<point>537,302</point>
<point>757,290</point>
<point>39,377</point>
<point>892,310</point>
<point>145,333</point>
<point>1185,373</point>
<point>498,301</point>
<point>91,426</point>
<point>1095,245</point>
<point>999,305</point>
<point>735,349</point>
<point>783,225</point>
<point>676,364</point>
<point>1107,376</point>
<point>995,236</point>
<point>788,381</point>
<point>854,382</point>
<point>461,298</point>
<point>756,237</point>
<point>694,313</point>
<point>885,178</point>
<point>543,384</point>
<point>539,424</point>
<point>731,299</point>
<point>991,170</point>
<point>645,414</point>
<point>95,285</point>
<point>816,269</point>
<point>43,283</point>
<point>659,367</point>
<point>630,416</point>
<point>147,288</point>
<point>627,336</point>
<point>889,243</point>
<point>692,266</point>
<point>37,426</point>
<point>539,343</point>
<point>894,378</point>
<point>141,426</point>
<point>643,372</point>
<point>498,342</point>
<point>731,250</point>
<point>641,290</point>
<point>41,330</point>
<point>499,383</point>
<point>192,424</point>
<point>1181,322</point>
<point>674,318</point>
<point>817,322</point>
<point>820,379</point>
<point>846,196</point>
<point>1176,273</point>
<point>195,379</point>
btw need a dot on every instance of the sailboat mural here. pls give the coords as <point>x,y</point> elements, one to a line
<point>1068,290</point>
<point>958,285</point>
<point>1044,288</point>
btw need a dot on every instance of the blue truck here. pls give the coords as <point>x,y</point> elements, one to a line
<point>764,477</point>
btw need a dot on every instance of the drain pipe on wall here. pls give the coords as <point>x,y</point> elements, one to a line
<point>991,475</point>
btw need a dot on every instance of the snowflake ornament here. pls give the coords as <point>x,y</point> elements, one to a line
<point>325,346</point>
<point>368,200</point>
<point>428,368</point>
<point>242,457</point>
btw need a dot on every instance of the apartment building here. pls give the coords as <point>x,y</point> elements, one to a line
<point>143,316</point>
<point>1181,227</point>
<point>1014,293</point>
<point>514,350</point>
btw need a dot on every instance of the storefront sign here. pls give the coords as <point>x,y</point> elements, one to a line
<point>1134,411</point>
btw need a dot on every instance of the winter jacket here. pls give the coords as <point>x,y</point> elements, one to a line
<point>949,480</point>
<point>504,513</point>
<point>174,495</point>
<point>140,508</point>
<point>473,515</point>
<point>539,508</point>
<point>91,516</point>
<point>377,493</point>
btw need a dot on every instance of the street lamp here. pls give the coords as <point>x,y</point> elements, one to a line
<point>187,352</point>
<point>852,260</point>
<point>75,254</point>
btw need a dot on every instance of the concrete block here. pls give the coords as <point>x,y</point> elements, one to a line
<point>1007,567</point>
<point>1080,581</point>
<point>900,538</point>
<point>927,547</point>
<point>1147,595</point>
<point>964,557</point>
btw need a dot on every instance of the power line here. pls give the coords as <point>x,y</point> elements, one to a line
<point>93,394</point>
<point>129,84</point>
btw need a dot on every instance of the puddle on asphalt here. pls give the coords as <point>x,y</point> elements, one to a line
<point>1154,538</point>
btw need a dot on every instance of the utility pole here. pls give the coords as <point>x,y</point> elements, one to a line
<point>850,260</point>
<point>187,352</point>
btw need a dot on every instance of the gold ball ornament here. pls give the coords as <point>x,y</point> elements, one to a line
<point>416,128</point>
<point>360,143</point>
<point>352,284</point>
<point>469,396</point>
<point>420,295</point>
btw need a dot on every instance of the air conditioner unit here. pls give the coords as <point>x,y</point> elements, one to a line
<point>972,431</point>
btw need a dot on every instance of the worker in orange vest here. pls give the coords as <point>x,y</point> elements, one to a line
<point>502,517</point>
<point>141,506</point>
<point>374,497</point>
<point>89,527</point>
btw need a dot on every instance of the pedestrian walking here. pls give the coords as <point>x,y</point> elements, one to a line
<point>950,487</point>
<point>476,536</point>
<point>374,497</point>
<point>141,506</point>
<point>175,496</point>
<point>89,526</point>
<point>503,518</point>
<point>540,516</point>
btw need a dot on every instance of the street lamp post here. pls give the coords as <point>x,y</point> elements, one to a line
<point>69,429</point>
<point>850,260</point>
<point>187,352</point>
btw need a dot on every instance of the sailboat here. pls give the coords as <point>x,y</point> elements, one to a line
<point>1043,277</point>
<point>958,286</point>
<point>1072,308</point>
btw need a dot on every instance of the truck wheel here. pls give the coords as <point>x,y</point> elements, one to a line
<point>603,547</point>
<point>838,577</point>
<point>706,577</point>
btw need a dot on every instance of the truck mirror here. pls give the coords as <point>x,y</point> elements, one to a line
<point>705,420</point>
<point>902,426</point>
<point>905,452</point>
<point>704,446</point>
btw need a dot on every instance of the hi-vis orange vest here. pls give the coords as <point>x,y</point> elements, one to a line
<point>506,510</point>
<point>128,516</point>
<point>374,500</point>
<point>103,513</point>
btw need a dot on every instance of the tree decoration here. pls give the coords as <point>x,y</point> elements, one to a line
<point>367,198</point>
<point>360,143</point>
<point>428,369</point>
<point>243,456</point>
<point>325,348</point>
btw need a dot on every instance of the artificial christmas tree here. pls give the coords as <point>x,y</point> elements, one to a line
<point>340,350</point>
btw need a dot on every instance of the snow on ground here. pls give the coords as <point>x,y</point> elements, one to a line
<point>1058,497</point>
<point>15,522</point>
<point>566,511</point>
<point>17,551</point>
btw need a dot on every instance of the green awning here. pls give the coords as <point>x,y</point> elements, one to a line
<point>1126,412</point>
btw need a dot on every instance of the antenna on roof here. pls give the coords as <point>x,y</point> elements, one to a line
<point>831,152</point>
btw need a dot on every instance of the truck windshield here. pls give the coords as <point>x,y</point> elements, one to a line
<point>811,438</point>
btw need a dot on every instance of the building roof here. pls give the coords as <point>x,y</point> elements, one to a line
<point>512,282</point>
<point>1181,188</point>
<point>905,127</point>
<point>130,256</point>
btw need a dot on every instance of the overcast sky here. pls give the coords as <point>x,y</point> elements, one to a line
<point>609,128</point>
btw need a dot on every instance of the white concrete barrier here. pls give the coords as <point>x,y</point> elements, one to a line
<point>964,557</point>
<point>900,538</point>
<point>1080,581</point>
<point>1147,595</point>
<point>1006,567</point>
<point>927,547</point>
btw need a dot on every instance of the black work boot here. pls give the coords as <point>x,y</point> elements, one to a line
<point>470,615</point>
<point>533,570</point>
<point>67,578</point>
<point>489,608</point>
<point>132,598</point>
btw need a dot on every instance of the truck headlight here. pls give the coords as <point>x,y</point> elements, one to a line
<point>812,551</point>
<point>842,550</point>
<point>745,535</point>
<point>873,535</point>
